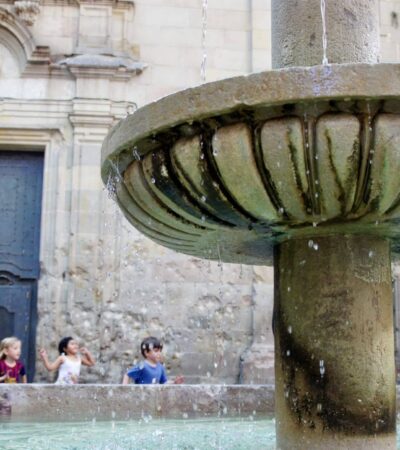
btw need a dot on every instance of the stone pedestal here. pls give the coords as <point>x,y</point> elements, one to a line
<point>335,373</point>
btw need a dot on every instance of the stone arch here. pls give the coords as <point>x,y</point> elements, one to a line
<point>16,38</point>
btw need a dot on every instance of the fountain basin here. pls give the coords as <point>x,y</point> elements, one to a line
<point>104,416</point>
<point>231,168</point>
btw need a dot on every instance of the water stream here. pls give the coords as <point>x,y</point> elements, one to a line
<point>203,41</point>
<point>324,35</point>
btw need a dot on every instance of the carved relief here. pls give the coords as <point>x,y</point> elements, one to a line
<point>27,11</point>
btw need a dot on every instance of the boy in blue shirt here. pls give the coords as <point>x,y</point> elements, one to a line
<point>149,371</point>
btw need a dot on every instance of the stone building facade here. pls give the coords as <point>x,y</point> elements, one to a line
<point>69,70</point>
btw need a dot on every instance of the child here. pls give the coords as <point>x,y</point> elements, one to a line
<point>150,371</point>
<point>69,362</point>
<point>11,369</point>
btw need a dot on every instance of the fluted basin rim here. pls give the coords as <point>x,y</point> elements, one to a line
<point>324,82</point>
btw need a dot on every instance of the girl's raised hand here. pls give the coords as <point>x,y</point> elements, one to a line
<point>43,353</point>
<point>87,358</point>
<point>179,379</point>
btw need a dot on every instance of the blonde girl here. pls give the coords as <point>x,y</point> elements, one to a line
<point>11,368</point>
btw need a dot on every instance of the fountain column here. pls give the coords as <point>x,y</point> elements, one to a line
<point>352,29</point>
<point>334,343</point>
<point>334,346</point>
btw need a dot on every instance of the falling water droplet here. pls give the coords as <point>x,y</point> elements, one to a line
<point>135,153</point>
<point>321,367</point>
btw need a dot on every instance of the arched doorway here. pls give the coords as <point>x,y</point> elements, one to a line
<point>21,180</point>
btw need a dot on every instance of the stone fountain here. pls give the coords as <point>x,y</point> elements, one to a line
<point>297,166</point>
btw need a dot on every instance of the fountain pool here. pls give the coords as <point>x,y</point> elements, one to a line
<point>250,433</point>
<point>206,434</point>
<point>133,417</point>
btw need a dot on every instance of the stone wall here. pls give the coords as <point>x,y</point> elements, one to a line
<point>69,71</point>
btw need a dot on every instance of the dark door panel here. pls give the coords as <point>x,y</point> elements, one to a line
<point>21,178</point>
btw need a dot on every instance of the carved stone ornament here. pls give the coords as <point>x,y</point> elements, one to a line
<point>27,11</point>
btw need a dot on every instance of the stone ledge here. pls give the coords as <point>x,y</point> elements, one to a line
<point>117,402</point>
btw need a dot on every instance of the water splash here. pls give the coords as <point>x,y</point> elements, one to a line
<point>324,35</point>
<point>203,41</point>
<point>111,186</point>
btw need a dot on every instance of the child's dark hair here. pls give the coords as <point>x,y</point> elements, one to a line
<point>149,344</point>
<point>63,344</point>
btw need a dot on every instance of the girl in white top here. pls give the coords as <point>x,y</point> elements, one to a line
<point>69,362</point>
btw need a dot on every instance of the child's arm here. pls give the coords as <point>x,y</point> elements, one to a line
<point>126,379</point>
<point>50,366</point>
<point>4,377</point>
<point>87,358</point>
<point>24,379</point>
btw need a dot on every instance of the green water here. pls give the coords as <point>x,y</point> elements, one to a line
<point>199,434</point>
